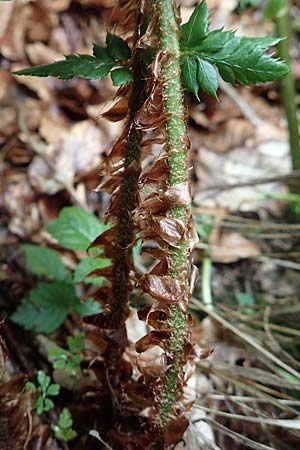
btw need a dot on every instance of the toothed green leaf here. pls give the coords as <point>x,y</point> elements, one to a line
<point>117,48</point>
<point>44,261</point>
<point>237,58</point>
<point>189,75</point>
<point>88,265</point>
<point>207,77</point>
<point>101,53</point>
<point>46,308</point>
<point>75,228</point>
<point>88,308</point>
<point>82,66</point>
<point>197,27</point>
<point>121,76</point>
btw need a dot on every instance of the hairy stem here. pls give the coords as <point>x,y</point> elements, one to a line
<point>177,160</point>
<point>288,87</point>
<point>121,284</point>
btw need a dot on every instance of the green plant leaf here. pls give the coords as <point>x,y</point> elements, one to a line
<point>117,48</point>
<point>83,66</point>
<point>197,27</point>
<point>75,228</point>
<point>121,76</point>
<point>244,299</point>
<point>48,404</point>
<point>53,390</point>
<point>207,77</point>
<point>101,53</point>
<point>63,429</point>
<point>189,75</point>
<point>76,343</point>
<point>88,265</point>
<point>65,435</point>
<point>88,308</point>
<point>44,261</point>
<point>44,380</point>
<point>65,419</point>
<point>237,58</point>
<point>46,308</point>
<point>274,8</point>
<point>40,405</point>
<point>29,386</point>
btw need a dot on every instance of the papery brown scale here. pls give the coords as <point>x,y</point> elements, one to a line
<point>105,240</point>
<point>154,317</point>
<point>194,275</point>
<point>114,206</point>
<point>101,320</point>
<point>164,288</point>
<point>117,335</point>
<point>109,184</point>
<point>156,140</point>
<point>155,368</point>
<point>155,203</point>
<point>170,230</point>
<point>95,343</point>
<point>162,267</point>
<point>102,295</point>
<point>129,441</point>
<point>158,173</point>
<point>140,394</point>
<point>193,236</point>
<point>15,406</point>
<point>153,338</point>
<point>3,349</point>
<point>104,272</point>
<point>118,111</point>
<point>128,10</point>
<point>194,351</point>
<point>149,39</point>
<point>158,318</point>
<point>152,115</point>
<point>175,429</point>
<point>179,195</point>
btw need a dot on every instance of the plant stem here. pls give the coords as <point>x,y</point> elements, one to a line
<point>125,229</point>
<point>177,160</point>
<point>288,87</point>
<point>206,282</point>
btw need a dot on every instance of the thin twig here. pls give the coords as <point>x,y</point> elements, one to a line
<point>29,417</point>
<point>256,181</point>
<point>96,435</point>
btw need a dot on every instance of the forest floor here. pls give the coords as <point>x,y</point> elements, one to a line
<point>246,303</point>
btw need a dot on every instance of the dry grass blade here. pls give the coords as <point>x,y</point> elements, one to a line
<point>293,424</point>
<point>269,396</point>
<point>245,337</point>
<point>245,399</point>
<point>238,437</point>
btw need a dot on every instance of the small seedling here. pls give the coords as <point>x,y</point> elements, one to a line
<point>46,390</point>
<point>63,430</point>
<point>69,360</point>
